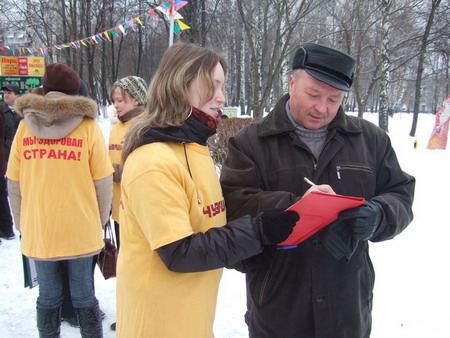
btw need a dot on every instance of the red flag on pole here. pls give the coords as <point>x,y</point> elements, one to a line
<point>438,139</point>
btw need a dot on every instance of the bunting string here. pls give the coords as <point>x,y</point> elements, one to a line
<point>168,7</point>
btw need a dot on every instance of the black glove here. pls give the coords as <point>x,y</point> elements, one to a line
<point>339,240</point>
<point>277,225</point>
<point>342,236</point>
<point>364,220</point>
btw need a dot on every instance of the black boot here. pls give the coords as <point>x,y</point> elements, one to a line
<point>90,321</point>
<point>48,322</point>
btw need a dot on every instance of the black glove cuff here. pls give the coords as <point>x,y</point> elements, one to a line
<point>381,217</point>
<point>259,227</point>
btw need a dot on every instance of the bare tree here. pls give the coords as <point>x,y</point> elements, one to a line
<point>202,15</point>
<point>269,26</point>
<point>423,47</point>
<point>258,39</point>
<point>385,64</point>
<point>357,31</point>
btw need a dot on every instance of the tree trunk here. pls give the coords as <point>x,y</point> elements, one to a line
<point>423,48</point>
<point>140,49</point>
<point>383,118</point>
<point>359,100</point>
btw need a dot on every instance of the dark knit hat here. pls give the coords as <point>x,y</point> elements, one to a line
<point>326,64</point>
<point>135,86</point>
<point>60,78</point>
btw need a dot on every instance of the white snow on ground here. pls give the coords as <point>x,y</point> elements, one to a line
<point>412,271</point>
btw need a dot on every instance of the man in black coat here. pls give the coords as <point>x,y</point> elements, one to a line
<point>3,171</point>
<point>11,93</point>
<point>322,288</point>
<point>11,121</point>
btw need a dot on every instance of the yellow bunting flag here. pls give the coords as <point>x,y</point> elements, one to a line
<point>138,19</point>
<point>107,35</point>
<point>182,25</point>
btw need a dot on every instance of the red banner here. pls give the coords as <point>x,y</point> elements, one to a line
<point>438,139</point>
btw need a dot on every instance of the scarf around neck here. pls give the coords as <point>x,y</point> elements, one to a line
<point>131,114</point>
<point>197,128</point>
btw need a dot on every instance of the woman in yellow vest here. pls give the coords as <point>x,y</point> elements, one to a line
<point>175,240</point>
<point>128,96</point>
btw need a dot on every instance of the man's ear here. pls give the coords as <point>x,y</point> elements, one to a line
<point>291,83</point>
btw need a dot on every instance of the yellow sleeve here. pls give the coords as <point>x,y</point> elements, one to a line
<point>99,162</point>
<point>160,205</point>
<point>13,170</point>
<point>116,142</point>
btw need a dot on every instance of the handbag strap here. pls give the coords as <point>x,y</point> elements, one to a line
<point>108,232</point>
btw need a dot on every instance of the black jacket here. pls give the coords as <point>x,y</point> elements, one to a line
<point>12,120</point>
<point>2,142</point>
<point>306,292</point>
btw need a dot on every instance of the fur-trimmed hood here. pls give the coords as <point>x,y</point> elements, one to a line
<point>54,115</point>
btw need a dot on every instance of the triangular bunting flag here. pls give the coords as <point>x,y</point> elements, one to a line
<point>180,4</point>
<point>107,35</point>
<point>182,25</point>
<point>114,32</point>
<point>166,4</point>
<point>176,28</point>
<point>139,21</point>
<point>122,29</point>
<point>152,12</point>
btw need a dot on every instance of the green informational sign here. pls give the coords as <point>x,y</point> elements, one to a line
<point>24,82</point>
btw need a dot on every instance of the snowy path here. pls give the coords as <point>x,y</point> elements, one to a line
<point>412,271</point>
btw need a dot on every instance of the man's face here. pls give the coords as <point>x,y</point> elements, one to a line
<point>313,103</point>
<point>9,97</point>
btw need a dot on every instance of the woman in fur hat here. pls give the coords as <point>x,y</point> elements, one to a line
<point>60,180</point>
<point>173,224</point>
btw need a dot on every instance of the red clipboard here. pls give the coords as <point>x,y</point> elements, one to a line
<point>316,211</point>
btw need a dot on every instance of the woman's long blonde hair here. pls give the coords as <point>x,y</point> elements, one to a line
<point>168,97</point>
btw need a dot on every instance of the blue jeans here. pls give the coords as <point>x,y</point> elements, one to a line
<point>80,280</point>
